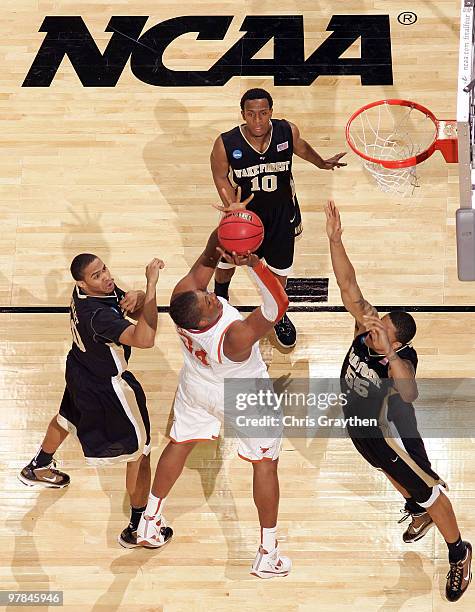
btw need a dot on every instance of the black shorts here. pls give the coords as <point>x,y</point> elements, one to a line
<point>282,223</point>
<point>109,416</point>
<point>393,460</point>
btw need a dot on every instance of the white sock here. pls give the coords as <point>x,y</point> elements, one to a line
<point>155,506</point>
<point>268,538</point>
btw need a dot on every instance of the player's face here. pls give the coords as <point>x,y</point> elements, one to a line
<point>211,308</point>
<point>257,116</point>
<point>97,279</point>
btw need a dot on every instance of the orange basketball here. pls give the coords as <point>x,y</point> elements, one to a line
<point>241,231</point>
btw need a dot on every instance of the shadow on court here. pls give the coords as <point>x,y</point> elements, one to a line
<point>181,184</point>
<point>210,461</point>
<point>413,582</point>
<point>26,565</point>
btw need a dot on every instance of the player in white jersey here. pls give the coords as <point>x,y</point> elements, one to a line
<point>217,344</point>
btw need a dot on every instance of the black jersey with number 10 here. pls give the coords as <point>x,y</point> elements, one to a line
<point>268,175</point>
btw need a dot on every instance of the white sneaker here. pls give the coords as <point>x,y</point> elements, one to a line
<point>268,565</point>
<point>153,533</point>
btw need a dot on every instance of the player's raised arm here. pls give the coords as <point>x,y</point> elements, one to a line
<point>142,335</point>
<point>351,295</point>
<point>220,171</point>
<point>203,269</point>
<point>241,335</point>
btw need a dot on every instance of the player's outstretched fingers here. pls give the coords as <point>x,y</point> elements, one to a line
<point>234,258</point>
<point>229,200</point>
<point>333,226</point>
<point>235,204</point>
<point>338,157</point>
<point>221,207</point>
<point>240,260</point>
<point>334,162</point>
<point>330,208</point>
<point>247,200</point>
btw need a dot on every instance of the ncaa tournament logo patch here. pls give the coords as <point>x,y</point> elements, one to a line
<point>283,145</point>
<point>237,153</point>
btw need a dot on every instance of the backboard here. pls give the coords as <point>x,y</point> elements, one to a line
<point>465,218</point>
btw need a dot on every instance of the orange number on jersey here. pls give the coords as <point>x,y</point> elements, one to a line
<point>199,354</point>
<point>187,342</point>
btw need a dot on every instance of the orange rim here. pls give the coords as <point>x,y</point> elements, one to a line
<point>400,163</point>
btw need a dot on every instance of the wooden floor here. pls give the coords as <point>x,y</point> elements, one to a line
<point>338,517</point>
<point>124,172</point>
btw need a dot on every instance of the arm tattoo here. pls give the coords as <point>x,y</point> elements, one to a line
<point>365,306</point>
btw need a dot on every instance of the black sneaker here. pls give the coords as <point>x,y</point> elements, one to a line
<point>459,576</point>
<point>128,538</point>
<point>420,525</point>
<point>285,332</point>
<point>46,476</point>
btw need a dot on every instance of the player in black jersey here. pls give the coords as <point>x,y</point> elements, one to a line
<point>378,377</point>
<point>103,403</point>
<point>257,156</point>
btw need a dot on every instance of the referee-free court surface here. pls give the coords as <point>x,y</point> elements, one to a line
<point>113,157</point>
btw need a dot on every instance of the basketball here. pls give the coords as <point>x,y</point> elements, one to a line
<point>241,231</point>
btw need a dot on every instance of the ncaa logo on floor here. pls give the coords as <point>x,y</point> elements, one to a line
<point>69,36</point>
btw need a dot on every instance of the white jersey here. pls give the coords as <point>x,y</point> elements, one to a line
<point>204,360</point>
<point>200,401</point>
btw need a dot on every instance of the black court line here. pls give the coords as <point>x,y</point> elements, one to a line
<point>299,308</point>
<point>305,295</point>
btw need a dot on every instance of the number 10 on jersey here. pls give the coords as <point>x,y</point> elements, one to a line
<point>268,182</point>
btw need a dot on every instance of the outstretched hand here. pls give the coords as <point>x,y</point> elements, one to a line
<point>333,162</point>
<point>152,271</point>
<point>248,259</point>
<point>235,204</point>
<point>378,334</point>
<point>333,228</point>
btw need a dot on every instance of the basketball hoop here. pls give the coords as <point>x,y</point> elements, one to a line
<point>393,136</point>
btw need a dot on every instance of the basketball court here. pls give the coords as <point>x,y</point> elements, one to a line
<point>113,158</point>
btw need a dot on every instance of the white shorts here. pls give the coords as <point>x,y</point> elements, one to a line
<point>196,419</point>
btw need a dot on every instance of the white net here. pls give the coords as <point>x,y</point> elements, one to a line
<point>393,133</point>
